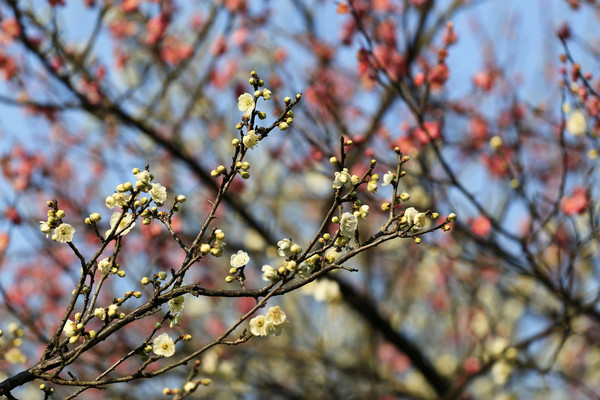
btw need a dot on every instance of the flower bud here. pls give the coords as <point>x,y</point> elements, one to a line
<point>95,217</point>
<point>229,279</point>
<point>404,196</point>
<point>233,270</point>
<point>287,100</point>
<point>452,217</point>
<point>283,126</point>
<point>60,214</point>
<point>145,280</point>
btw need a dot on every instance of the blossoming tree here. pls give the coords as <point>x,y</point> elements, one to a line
<point>304,242</point>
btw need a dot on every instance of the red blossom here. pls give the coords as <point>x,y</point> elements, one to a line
<point>10,30</point>
<point>219,46</point>
<point>431,131</point>
<point>11,214</point>
<point>4,241</point>
<point>8,67</point>
<point>122,28</point>
<point>484,80</point>
<point>156,28</point>
<point>173,52</point>
<point>129,5</point>
<point>496,164</point>
<point>481,225</point>
<point>471,365</point>
<point>236,6</point>
<point>478,129</point>
<point>438,76</point>
<point>577,203</point>
<point>342,8</point>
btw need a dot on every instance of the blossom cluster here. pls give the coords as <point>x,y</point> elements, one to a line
<point>63,232</point>
<point>272,322</point>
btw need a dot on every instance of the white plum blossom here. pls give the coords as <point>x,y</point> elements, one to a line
<point>143,176</point>
<point>410,214</point>
<point>100,313</point>
<point>262,325</point>
<point>342,179</point>
<point>175,320</point>
<point>250,139</point>
<point>239,259</point>
<point>275,316</point>
<point>258,326</point>
<point>125,226</point>
<point>501,371</point>
<point>388,177</point>
<point>158,193</point>
<point>246,103</point>
<point>112,310</point>
<point>285,248</point>
<point>324,290</point>
<point>420,220</point>
<point>415,218</point>
<point>45,228</point>
<point>117,199</point>
<point>70,329</point>
<point>63,233</point>
<point>163,345</point>
<point>576,123</point>
<point>189,386</point>
<point>372,186</point>
<point>305,269</point>
<point>269,273</point>
<point>104,266</point>
<point>176,304</point>
<point>348,224</point>
<point>363,211</point>
<point>14,356</point>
